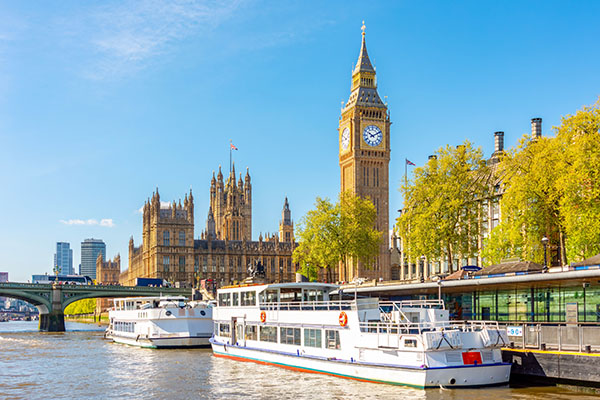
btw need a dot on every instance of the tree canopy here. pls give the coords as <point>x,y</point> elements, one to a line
<point>85,306</point>
<point>552,189</point>
<point>332,234</point>
<point>440,215</point>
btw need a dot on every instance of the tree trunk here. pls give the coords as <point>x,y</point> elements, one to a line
<point>449,255</point>
<point>563,253</point>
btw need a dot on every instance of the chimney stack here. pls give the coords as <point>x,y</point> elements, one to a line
<point>498,142</point>
<point>536,128</point>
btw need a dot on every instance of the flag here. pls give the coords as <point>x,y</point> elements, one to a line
<point>408,162</point>
<point>232,146</point>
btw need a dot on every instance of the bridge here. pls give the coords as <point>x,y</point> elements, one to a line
<point>52,299</point>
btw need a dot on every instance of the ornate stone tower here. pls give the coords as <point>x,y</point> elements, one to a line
<point>168,239</point>
<point>286,226</point>
<point>364,155</point>
<point>231,207</point>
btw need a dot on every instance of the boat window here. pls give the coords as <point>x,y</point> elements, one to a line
<point>271,296</point>
<point>333,339</point>
<point>289,336</point>
<point>268,334</point>
<point>312,337</point>
<point>249,298</point>
<point>410,342</point>
<point>225,299</point>
<point>251,332</point>
<point>236,299</point>
<point>313,295</point>
<point>224,330</point>
<point>290,295</point>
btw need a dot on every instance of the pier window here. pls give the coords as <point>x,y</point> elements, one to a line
<point>182,238</point>
<point>251,332</point>
<point>224,299</point>
<point>289,336</point>
<point>332,338</point>
<point>166,262</point>
<point>249,298</point>
<point>268,334</point>
<point>224,330</point>
<point>166,238</point>
<point>312,337</point>
<point>181,263</point>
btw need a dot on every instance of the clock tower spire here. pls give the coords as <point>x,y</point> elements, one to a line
<point>364,156</point>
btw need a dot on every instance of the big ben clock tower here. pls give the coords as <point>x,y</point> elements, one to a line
<point>364,140</point>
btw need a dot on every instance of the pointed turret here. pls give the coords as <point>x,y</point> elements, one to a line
<point>364,81</point>
<point>364,63</point>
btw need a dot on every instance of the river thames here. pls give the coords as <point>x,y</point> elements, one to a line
<point>81,364</point>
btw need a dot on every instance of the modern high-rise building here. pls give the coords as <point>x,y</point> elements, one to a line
<point>63,259</point>
<point>90,249</point>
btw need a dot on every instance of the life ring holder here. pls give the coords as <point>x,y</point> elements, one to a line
<point>343,319</point>
<point>263,316</point>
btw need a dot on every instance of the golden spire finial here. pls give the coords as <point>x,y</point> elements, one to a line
<point>363,27</point>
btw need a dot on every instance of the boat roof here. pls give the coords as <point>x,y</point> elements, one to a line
<point>284,285</point>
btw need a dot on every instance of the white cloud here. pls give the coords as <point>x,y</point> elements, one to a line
<point>128,35</point>
<point>107,222</point>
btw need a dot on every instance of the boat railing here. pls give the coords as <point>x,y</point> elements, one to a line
<point>404,328</point>
<point>309,305</point>
<point>430,303</point>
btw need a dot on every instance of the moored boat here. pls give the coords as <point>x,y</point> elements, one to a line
<point>299,326</point>
<point>160,322</point>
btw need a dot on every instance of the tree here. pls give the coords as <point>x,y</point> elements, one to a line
<point>551,188</point>
<point>333,234</point>
<point>85,306</point>
<point>440,218</point>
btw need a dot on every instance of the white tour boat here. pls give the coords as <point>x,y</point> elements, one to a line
<point>160,322</point>
<point>297,326</point>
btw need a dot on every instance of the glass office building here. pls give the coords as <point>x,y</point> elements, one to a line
<point>63,259</point>
<point>90,249</point>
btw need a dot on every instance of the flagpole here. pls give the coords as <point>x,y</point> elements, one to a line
<point>230,149</point>
<point>405,176</point>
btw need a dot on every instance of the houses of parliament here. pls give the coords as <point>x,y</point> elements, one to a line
<point>225,249</point>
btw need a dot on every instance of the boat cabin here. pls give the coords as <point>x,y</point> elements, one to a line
<point>279,293</point>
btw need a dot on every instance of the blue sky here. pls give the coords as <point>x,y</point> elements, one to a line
<point>101,102</point>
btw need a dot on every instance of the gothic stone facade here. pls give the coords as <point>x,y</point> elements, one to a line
<point>169,251</point>
<point>364,157</point>
<point>107,273</point>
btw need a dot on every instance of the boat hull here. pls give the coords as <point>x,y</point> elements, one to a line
<point>421,377</point>
<point>164,342</point>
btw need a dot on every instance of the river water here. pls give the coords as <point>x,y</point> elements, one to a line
<point>80,364</point>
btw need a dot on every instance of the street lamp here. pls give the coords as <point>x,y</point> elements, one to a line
<point>545,243</point>
<point>422,269</point>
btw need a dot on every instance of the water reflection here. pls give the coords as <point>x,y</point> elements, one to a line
<point>81,364</point>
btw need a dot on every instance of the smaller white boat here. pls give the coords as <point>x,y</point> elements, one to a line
<point>160,322</point>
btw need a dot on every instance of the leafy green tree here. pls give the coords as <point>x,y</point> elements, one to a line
<point>442,205</point>
<point>85,306</point>
<point>552,189</point>
<point>333,234</point>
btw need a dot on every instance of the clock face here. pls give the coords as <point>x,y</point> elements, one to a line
<point>372,135</point>
<point>345,138</point>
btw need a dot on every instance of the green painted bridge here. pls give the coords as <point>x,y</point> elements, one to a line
<point>51,299</point>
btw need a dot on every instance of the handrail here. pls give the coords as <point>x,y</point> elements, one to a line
<point>309,305</point>
<point>430,303</point>
<point>419,327</point>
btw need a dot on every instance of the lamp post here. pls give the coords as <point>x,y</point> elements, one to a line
<point>422,269</point>
<point>545,243</point>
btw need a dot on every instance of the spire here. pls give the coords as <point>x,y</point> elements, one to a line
<point>364,63</point>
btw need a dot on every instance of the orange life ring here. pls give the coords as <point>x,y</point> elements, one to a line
<point>343,319</point>
<point>263,316</point>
